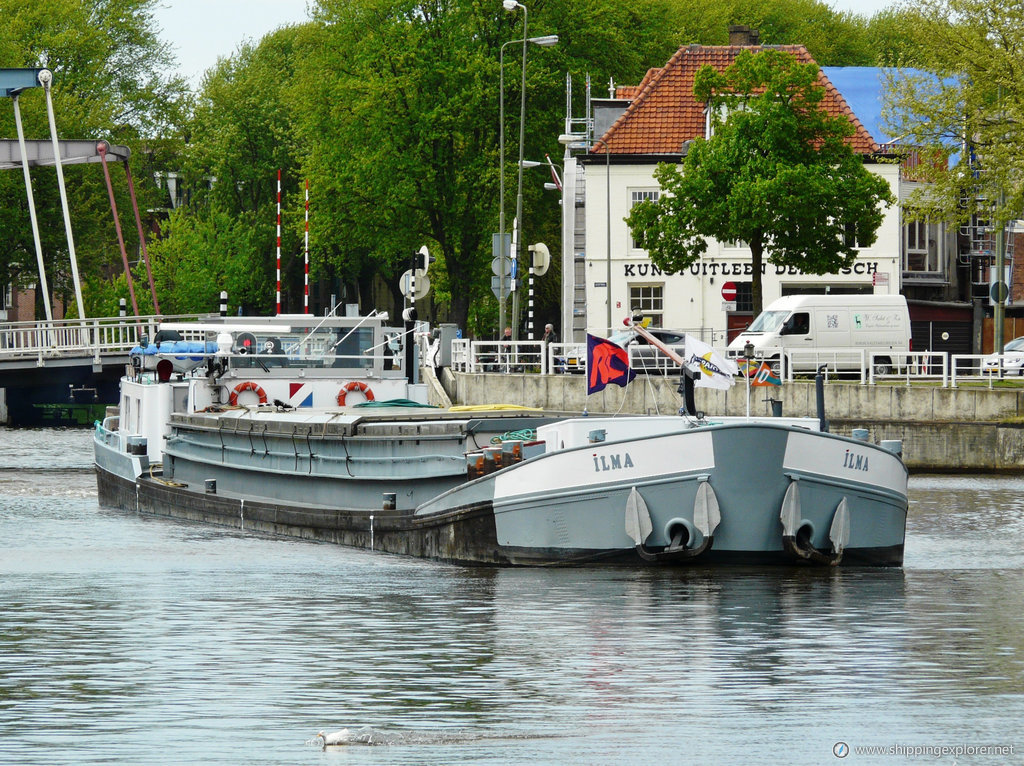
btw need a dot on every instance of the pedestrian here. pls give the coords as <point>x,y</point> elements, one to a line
<point>550,336</point>
<point>505,350</point>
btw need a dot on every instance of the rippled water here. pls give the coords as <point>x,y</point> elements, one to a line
<point>126,639</point>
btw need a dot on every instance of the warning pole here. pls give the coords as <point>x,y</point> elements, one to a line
<point>279,241</point>
<point>305,303</point>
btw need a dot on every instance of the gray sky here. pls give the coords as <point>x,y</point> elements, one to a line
<point>203,30</point>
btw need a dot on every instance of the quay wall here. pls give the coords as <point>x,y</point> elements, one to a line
<point>942,429</point>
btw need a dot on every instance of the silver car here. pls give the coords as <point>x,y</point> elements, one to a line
<point>1012,361</point>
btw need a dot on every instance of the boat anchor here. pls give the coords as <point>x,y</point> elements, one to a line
<point>706,517</point>
<point>799,545</point>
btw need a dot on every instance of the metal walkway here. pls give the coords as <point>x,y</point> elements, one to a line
<point>72,343</point>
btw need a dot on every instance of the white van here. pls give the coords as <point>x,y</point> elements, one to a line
<point>830,323</point>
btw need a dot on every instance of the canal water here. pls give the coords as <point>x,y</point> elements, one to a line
<point>126,639</point>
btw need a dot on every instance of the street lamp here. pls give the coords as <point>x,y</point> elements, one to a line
<point>544,41</point>
<point>567,139</point>
<point>555,170</point>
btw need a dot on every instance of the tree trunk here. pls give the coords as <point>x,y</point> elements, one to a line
<point>757,259</point>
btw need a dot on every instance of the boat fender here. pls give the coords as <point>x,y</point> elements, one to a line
<point>355,385</point>
<point>248,385</point>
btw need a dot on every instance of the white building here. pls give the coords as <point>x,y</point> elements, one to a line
<point>606,275</point>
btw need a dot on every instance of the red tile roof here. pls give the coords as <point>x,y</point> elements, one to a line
<point>664,112</point>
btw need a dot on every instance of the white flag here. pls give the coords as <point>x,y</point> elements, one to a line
<point>716,371</point>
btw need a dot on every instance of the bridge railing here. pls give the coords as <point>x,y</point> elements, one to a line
<point>78,337</point>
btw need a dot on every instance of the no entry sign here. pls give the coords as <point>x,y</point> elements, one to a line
<point>729,291</point>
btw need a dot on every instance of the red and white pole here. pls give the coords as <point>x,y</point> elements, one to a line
<point>305,303</point>
<point>279,242</point>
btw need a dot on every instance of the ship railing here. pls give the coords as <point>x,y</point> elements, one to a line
<point>107,433</point>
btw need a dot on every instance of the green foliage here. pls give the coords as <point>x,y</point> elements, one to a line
<point>777,174</point>
<point>968,93</point>
<point>109,82</point>
<point>388,107</point>
<point>204,254</point>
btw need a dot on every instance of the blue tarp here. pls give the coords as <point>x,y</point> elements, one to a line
<point>176,347</point>
<point>862,87</point>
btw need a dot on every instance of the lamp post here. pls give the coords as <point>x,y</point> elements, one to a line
<point>545,41</point>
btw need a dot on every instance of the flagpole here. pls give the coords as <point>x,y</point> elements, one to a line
<point>748,352</point>
<point>747,376</point>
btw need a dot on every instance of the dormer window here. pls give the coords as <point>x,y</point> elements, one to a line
<point>719,115</point>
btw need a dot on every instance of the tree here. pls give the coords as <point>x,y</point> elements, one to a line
<point>963,110</point>
<point>398,122</point>
<point>777,173</point>
<point>109,82</point>
<point>241,134</point>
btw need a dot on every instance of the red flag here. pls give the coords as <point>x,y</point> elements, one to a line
<point>607,363</point>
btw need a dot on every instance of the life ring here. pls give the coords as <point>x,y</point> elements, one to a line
<point>355,385</point>
<point>248,386</point>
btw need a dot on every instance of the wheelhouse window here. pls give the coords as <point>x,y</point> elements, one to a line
<point>648,300</point>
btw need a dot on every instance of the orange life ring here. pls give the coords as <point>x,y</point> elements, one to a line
<point>355,385</point>
<point>248,386</point>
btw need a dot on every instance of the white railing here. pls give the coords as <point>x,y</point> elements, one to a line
<point>76,337</point>
<point>870,368</point>
<point>508,356</point>
<point>835,361</point>
<point>909,366</point>
<point>973,366</point>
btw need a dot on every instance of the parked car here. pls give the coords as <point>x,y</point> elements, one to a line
<point>1013,359</point>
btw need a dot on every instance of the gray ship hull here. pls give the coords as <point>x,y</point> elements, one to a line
<point>567,507</point>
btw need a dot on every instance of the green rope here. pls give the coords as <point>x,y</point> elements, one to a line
<point>523,434</point>
<point>393,403</point>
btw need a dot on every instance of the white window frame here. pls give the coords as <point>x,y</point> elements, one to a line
<point>637,196</point>
<point>649,299</point>
<point>923,247</point>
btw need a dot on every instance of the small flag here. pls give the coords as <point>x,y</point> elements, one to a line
<point>761,374</point>
<point>607,363</point>
<point>715,370</point>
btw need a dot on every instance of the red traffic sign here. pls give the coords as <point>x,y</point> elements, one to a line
<point>729,291</point>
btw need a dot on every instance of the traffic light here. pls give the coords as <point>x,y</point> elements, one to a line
<point>424,259</point>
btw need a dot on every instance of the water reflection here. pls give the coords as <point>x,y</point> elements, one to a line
<point>123,636</point>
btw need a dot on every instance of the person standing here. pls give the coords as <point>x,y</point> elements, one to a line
<point>550,336</point>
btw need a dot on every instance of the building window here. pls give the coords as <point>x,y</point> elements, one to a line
<point>850,236</point>
<point>744,296</point>
<point>719,117</point>
<point>923,247</point>
<point>642,195</point>
<point>648,300</point>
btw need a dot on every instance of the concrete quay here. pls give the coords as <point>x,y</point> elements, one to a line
<point>943,430</point>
